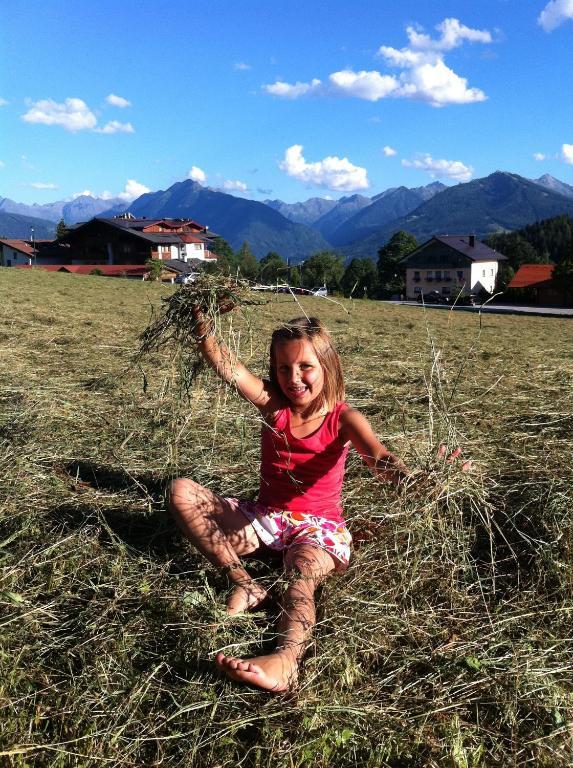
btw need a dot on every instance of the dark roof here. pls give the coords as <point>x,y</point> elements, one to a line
<point>533,275</point>
<point>461,243</point>
<point>185,267</point>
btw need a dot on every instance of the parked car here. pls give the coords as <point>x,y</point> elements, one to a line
<point>433,297</point>
<point>185,279</point>
<point>467,300</point>
<point>319,291</point>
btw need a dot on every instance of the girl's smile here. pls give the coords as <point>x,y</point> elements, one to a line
<point>299,372</point>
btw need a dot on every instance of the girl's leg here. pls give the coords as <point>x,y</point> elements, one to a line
<point>307,567</point>
<point>221,534</point>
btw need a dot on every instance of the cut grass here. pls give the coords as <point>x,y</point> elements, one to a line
<point>448,641</point>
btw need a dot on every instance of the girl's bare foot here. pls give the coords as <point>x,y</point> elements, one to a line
<point>245,597</point>
<point>276,672</point>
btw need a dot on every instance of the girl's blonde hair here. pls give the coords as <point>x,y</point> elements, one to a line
<point>312,330</point>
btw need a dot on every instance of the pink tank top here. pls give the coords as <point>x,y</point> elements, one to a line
<point>303,474</point>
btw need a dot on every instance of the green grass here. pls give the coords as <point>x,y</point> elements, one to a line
<point>447,643</point>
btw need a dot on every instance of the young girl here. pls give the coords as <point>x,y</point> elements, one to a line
<point>306,434</point>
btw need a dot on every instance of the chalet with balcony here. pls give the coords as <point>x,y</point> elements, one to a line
<point>126,240</point>
<point>451,264</point>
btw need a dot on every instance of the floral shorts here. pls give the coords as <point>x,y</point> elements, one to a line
<point>280,529</point>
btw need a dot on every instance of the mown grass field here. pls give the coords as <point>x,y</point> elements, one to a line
<point>449,641</point>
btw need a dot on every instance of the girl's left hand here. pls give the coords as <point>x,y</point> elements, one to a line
<point>451,458</point>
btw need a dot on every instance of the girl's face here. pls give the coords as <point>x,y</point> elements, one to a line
<point>299,372</point>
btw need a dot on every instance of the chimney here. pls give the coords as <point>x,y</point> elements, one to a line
<point>472,241</point>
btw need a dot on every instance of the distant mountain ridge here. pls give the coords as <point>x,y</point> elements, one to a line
<point>355,225</point>
<point>354,217</point>
<point>81,208</point>
<point>234,218</point>
<point>14,226</point>
<point>499,202</point>
<point>550,182</point>
<point>303,213</point>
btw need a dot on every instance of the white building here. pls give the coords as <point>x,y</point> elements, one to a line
<point>451,264</point>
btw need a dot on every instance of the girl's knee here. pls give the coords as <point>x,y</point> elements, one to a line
<point>310,562</point>
<point>180,493</point>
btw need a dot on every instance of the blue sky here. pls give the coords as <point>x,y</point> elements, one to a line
<point>285,100</point>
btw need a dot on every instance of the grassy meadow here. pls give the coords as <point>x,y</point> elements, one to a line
<point>448,642</point>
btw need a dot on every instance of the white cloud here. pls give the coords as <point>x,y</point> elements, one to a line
<point>197,174</point>
<point>2,164</point>
<point>3,102</point>
<point>118,101</point>
<point>371,86</point>
<point>42,185</point>
<point>113,126</point>
<point>235,186</point>
<point>567,153</point>
<point>539,156</point>
<point>440,169</point>
<point>72,114</point>
<point>388,151</point>
<point>334,173</point>
<point>133,189</point>
<point>555,13</point>
<point>453,35</point>
<point>424,75</point>
<point>241,66</point>
<point>286,91</point>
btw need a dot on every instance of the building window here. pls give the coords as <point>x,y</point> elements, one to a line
<point>483,273</point>
<point>429,275</point>
<point>416,276</point>
<point>491,271</point>
<point>460,274</point>
<point>9,262</point>
<point>438,274</point>
<point>447,274</point>
<point>197,246</point>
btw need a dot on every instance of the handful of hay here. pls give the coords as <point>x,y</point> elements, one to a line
<point>212,295</point>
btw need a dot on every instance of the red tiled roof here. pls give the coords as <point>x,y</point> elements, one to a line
<point>107,270</point>
<point>19,245</point>
<point>45,267</point>
<point>191,239</point>
<point>528,275</point>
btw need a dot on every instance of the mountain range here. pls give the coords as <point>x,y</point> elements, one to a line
<point>355,225</point>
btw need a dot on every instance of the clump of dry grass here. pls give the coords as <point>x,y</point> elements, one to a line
<point>213,295</point>
<point>447,643</point>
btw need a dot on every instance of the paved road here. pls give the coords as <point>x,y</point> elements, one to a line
<point>497,309</point>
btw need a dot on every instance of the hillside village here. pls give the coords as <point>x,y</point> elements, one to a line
<point>411,244</point>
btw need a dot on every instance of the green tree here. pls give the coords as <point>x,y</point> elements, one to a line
<point>391,276</point>
<point>505,275</point>
<point>247,263</point>
<point>295,278</point>
<point>562,281</point>
<point>323,268</point>
<point>155,268</point>
<point>517,249</point>
<point>61,229</point>
<point>226,259</point>
<point>360,279</point>
<point>272,268</point>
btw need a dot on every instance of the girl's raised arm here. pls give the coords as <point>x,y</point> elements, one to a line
<point>384,464</point>
<point>229,368</point>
